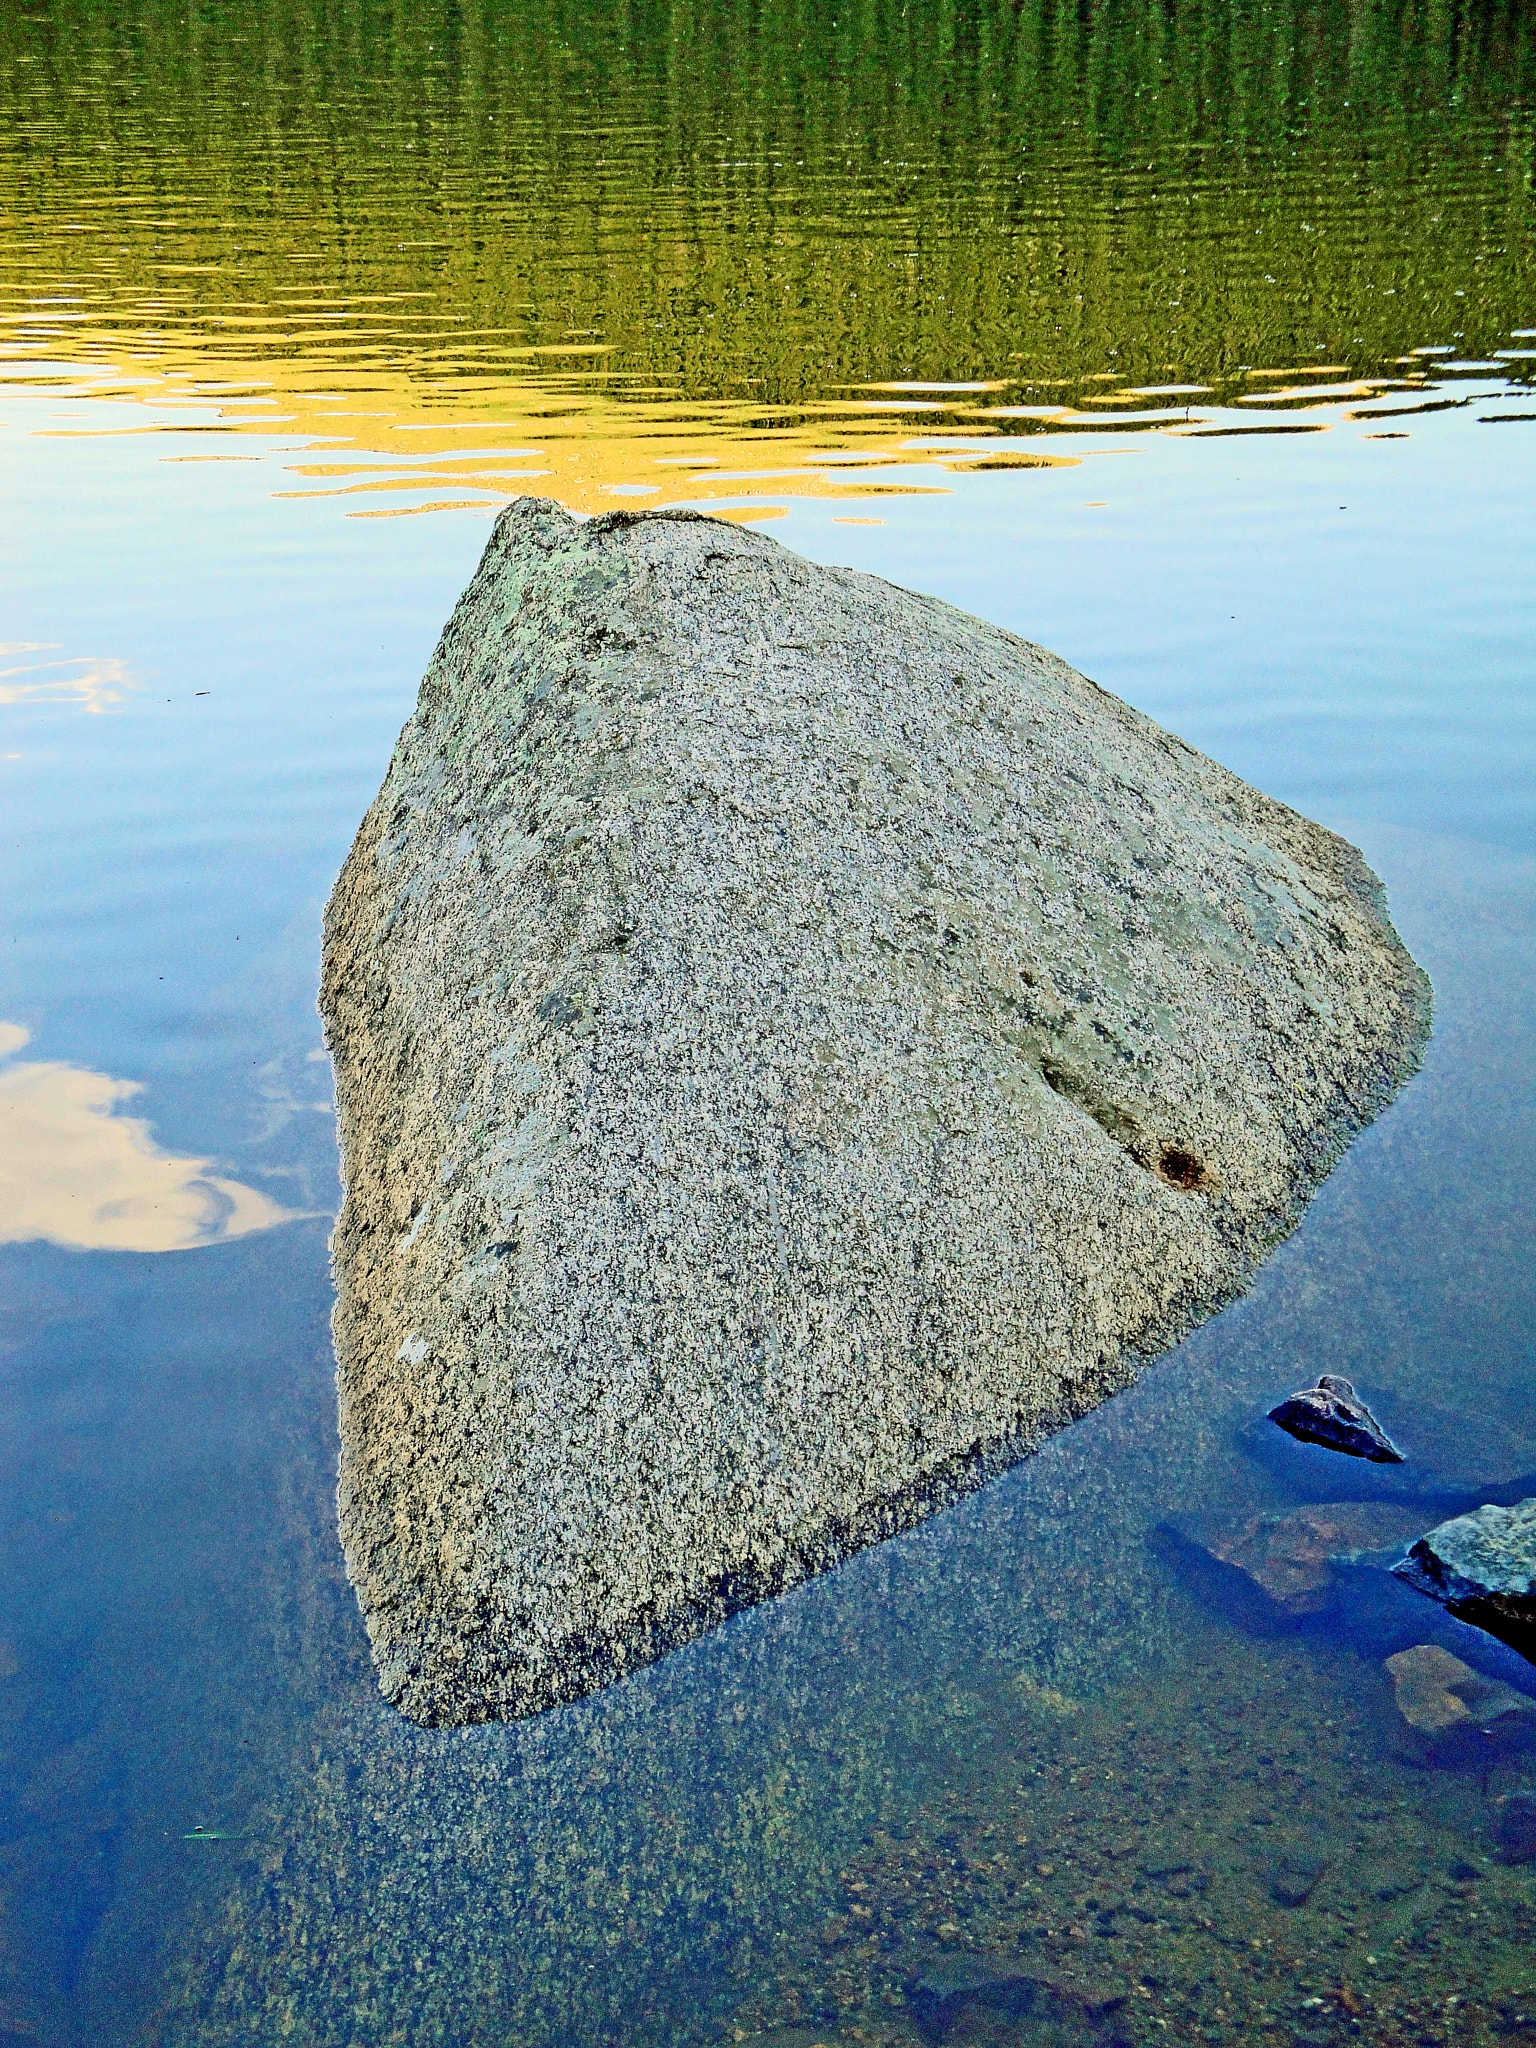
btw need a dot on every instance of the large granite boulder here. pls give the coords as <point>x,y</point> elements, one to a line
<point>796,1047</point>
<point>1482,1568</point>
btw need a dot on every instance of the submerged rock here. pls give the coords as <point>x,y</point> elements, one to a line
<point>1294,1878</point>
<point>1289,1560</point>
<point>940,1994</point>
<point>800,2037</point>
<point>1514,1826</point>
<point>1482,1568</point>
<point>1332,1414</point>
<point>1451,1715</point>
<point>796,1047</point>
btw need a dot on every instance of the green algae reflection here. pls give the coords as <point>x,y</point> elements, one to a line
<point>655,210</point>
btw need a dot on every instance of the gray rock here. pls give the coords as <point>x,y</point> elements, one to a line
<point>796,1048</point>
<point>1482,1568</point>
<point>1333,1415</point>
<point>1455,1457</point>
<point>940,1993</point>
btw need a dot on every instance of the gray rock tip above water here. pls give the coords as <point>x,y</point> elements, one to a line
<point>1333,1415</point>
<point>796,1047</point>
<point>1482,1568</point>
<point>1457,1456</point>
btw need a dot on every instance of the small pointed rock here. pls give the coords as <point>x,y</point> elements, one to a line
<point>1332,1414</point>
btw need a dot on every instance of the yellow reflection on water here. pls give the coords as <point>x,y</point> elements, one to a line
<point>399,447</point>
<point>488,247</point>
<point>75,1172</point>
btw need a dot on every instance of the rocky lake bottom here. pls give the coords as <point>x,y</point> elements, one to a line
<point>1134,1870</point>
<point>1035,1838</point>
<point>1109,1751</point>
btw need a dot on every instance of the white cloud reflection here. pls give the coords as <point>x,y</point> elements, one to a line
<point>94,683</point>
<point>74,1171</point>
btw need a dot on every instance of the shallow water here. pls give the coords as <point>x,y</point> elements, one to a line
<point>914,288</point>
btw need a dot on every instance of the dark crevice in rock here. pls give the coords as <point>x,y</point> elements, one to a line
<point>1182,1168</point>
<point>1115,1122</point>
<point>1177,1165</point>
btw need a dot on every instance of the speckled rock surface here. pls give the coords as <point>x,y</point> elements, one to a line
<point>1482,1566</point>
<point>796,1047</point>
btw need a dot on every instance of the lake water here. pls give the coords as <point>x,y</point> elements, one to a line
<point>1197,342</point>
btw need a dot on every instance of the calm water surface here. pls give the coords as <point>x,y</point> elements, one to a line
<point>1194,341</point>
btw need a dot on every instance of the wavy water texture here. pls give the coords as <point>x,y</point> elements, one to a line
<point>511,246</point>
